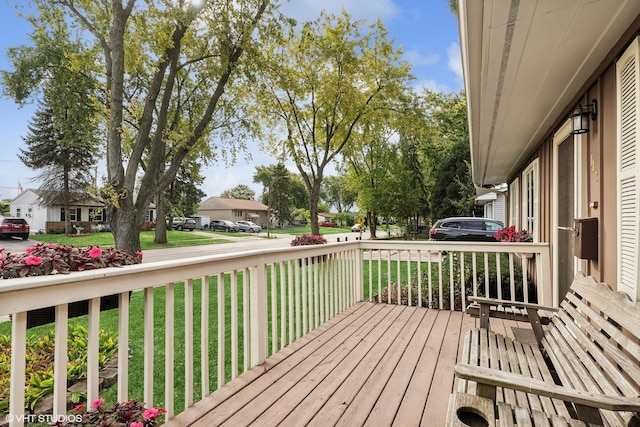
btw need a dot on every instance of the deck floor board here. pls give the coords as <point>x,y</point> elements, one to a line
<point>374,364</point>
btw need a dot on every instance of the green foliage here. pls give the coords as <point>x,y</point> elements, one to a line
<point>308,239</point>
<point>336,193</point>
<point>240,191</point>
<point>173,86</point>
<point>323,82</point>
<point>343,218</point>
<point>40,357</point>
<point>45,259</point>
<point>481,279</point>
<point>278,185</point>
<point>4,207</point>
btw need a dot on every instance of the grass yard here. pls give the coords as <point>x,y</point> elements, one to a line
<point>175,239</point>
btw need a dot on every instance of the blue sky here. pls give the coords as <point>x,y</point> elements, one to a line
<point>426,30</point>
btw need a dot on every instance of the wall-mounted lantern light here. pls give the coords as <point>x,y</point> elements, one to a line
<point>580,117</point>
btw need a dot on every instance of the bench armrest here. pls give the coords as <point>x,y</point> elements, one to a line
<point>508,380</point>
<point>507,303</point>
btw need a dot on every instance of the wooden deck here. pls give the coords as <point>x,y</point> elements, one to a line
<point>375,364</point>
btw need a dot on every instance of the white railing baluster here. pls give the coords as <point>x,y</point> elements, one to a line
<point>274,309</point>
<point>169,359</point>
<point>204,336</point>
<point>149,345</point>
<point>292,303</point>
<point>283,305</point>
<point>451,283</point>
<point>463,285</point>
<point>93,345</point>
<point>18,367</point>
<point>234,324</point>
<point>188,343</point>
<point>221,330</point>
<point>123,347</point>
<point>60,361</point>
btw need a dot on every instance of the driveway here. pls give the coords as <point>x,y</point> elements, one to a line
<point>13,244</point>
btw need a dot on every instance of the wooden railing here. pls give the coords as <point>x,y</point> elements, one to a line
<point>257,302</point>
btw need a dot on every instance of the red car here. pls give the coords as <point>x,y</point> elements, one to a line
<point>328,224</point>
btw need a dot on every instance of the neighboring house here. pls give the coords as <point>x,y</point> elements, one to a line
<point>83,213</point>
<point>234,210</point>
<point>530,67</point>
<point>493,202</point>
<point>86,213</point>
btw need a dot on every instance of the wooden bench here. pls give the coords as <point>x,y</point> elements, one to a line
<point>585,365</point>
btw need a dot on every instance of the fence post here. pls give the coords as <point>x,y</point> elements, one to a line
<point>258,312</point>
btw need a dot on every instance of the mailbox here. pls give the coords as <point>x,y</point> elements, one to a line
<point>586,238</point>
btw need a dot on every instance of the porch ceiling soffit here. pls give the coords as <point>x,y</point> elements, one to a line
<point>524,61</point>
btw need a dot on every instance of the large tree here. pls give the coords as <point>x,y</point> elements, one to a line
<point>278,195</point>
<point>168,71</point>
<point>240,191</point>
<point>321,82</point>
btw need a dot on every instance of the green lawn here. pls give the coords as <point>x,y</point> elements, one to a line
<point>175,239</point>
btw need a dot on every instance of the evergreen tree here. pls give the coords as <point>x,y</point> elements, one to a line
<point>62,146</point>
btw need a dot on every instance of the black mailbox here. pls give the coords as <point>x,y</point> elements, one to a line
<point>586,238</point>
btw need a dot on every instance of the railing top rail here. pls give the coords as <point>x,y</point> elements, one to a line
<point>36,292</point>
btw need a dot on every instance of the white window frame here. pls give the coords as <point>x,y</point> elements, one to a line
<point>514,203</point>
<point>628,170</point>
<point>530,194</point>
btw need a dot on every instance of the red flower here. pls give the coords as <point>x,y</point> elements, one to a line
<point>95,252</point>
<point>97,403</point>
<point>33,260</point>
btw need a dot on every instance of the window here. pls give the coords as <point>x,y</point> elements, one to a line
<point>492,226</point>
<point>96,215</point>
<point>628,185</point>
<point>18,212</point>
<point>74,214</point>
<point>530,199</point>
<point>514,203</point>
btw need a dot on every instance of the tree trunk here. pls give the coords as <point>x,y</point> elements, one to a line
<point>314,198</point>
<point>373,224</point>
<point>161,224</point>
<point>126,223</point>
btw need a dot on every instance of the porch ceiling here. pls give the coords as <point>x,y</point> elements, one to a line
<point>524,61</point>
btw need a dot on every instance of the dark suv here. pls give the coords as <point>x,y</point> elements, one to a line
<point>468,229</point>
<point>222,225</point>
<point>10,227</point>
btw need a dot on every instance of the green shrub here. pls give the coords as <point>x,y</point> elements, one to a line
<point>40,358</point>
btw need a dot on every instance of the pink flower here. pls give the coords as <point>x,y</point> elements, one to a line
<point>136,424</point>
<point>97,403</point>
<point>95,252</point>
<point>139,254</point>
<point>33,260</point>
<point>31,249</point>
<point>150,413</point>
<point>79,407</point>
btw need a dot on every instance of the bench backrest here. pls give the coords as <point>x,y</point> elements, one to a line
<point>594,342</point>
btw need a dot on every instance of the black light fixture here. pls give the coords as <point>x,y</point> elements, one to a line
<point>580,117</point>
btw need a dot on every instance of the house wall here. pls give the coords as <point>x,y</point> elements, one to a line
<point>599,167</point>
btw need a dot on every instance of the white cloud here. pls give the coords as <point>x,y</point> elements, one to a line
<point>416,58</point>
<point>455,59</point>
<point>432,85</point>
